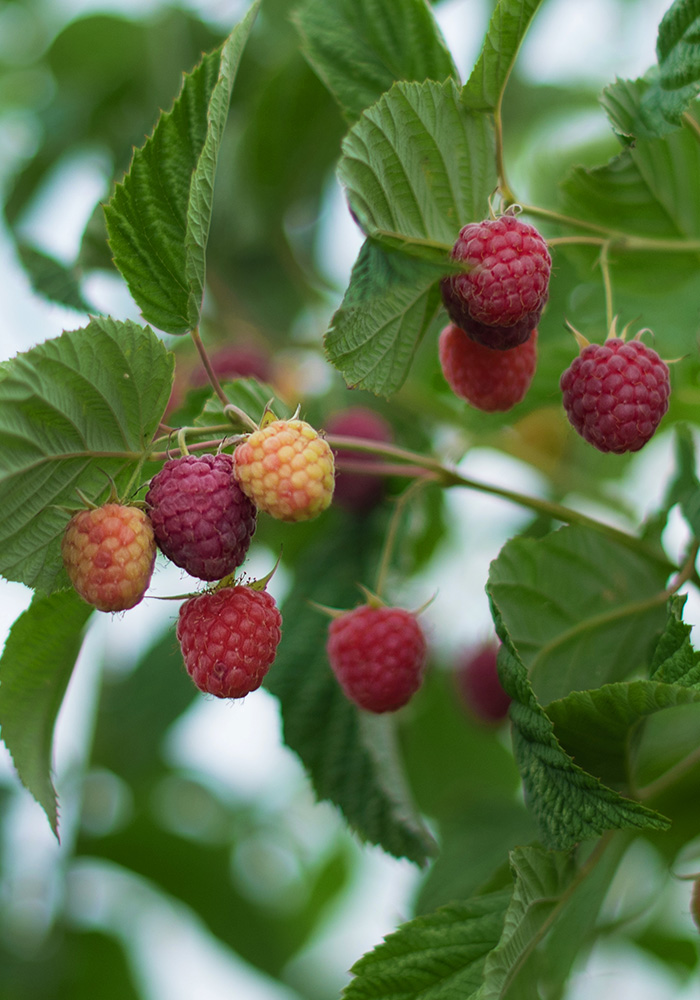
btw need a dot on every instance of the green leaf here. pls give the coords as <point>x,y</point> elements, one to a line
<point>569,804</point>
<point>248,395</point>
<point>625,106</point>
<point>649,190</point>
<point>73,410</point>
<point>678,56</point>
<point>390,303</point>
<point>52,279</point>
<point>474,843</point>
<point>553,893</point>
<point>35,668</point>
<point>159,216</point>
<point>440,955</point>
<point>509,23</point>
<point>685,488</point>
<point>354,47</point>
<point>417,166</point>
<point>598,728</point>
<point>582,609</point>
<point>351,759</point>
<point>675,661</point>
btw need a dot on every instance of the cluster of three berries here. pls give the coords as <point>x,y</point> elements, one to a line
<point>614,394</point>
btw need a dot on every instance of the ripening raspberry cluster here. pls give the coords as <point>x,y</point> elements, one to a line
<point>614,394</point>
<point>201,512</point>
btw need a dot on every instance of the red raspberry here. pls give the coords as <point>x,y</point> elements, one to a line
<point>616,393</point>
<point>353,490</point>
<point>237,361</point>
<point>202,520</point>
<point>109,554</point>
<point>500,300</point>
<point>479,685</point>
<point>228,639</point>
<point>286,469</point>
<point>492,381</point>
<point>378,656</point>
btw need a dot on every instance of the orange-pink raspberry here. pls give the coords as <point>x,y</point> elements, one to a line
<point>109,553</point>
<point>492,381</point>
<point>499,301</point>
<point>286,468</point>
<point>378,656</point>
<point>228,639</point>
<point>616,393</point>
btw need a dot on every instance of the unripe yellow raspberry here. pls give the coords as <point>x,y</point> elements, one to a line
<point>286,469</point>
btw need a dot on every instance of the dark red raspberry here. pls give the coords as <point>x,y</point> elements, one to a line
<point>353,490</point>
<point>616,393</point>
<point>378,655</point>
<point>237,361</point>
<point>201,518</point>
<point>479,685</point>
<point>492,381</point>
<point>228,639</point>
<point>500,300</point>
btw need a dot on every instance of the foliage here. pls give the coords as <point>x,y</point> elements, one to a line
<point>212,223</point>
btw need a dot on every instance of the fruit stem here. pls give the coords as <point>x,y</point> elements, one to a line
<point>211,375</point>
<point>390,540</point>
<point>604,264</point>
<point>614,237</point>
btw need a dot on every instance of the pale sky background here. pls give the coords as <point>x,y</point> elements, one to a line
<point>595,41</point>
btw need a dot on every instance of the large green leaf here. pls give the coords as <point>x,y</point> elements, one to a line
<point>582,610</point>
<point>509,22</point>
<point>356,50</point>
<point>439,956</point>
<point>390,303</point>
<point>598,728</point>
<point>35,668</point>
<point>678,56</point>
<point>417,166</point>
<point>73,410</point>
<point>352,759</point>
<point>675,661</point>
<point>650,192</point>
<point>555,893</point>
<point>685,488</point>
<point>159,216</point>
<point>568,803</point>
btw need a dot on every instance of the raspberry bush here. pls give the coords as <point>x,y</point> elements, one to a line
<point>478,487</point>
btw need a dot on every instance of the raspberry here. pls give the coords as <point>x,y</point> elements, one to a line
<point>500,300</point>
<point>202,520</point>
<point>353,490</point>
<point>616,393</point>
<point>228,639</point>
<point>286,469</point>
<point>378,655</point>
<point>492,381</point>
<point>237,361</point>
<point>479,685</point>
<point>109,553</point>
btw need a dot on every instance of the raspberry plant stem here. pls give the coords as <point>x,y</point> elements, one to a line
<point>211,375</point>
<point>448,477</point>
<point>390,540</point>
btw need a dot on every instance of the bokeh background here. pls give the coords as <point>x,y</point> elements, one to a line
<point>194,861</point>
